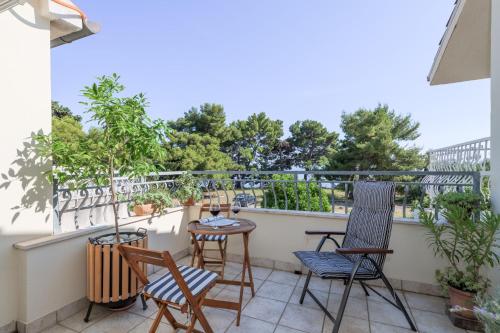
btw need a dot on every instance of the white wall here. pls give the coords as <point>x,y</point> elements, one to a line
<point>25,106</point>
<point>495,116</point>
<point>54,275</point>
<point>495,104</point>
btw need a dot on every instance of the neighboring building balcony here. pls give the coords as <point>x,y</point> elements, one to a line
<point>283,205</point>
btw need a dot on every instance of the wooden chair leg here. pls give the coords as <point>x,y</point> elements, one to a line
<point>195,254</point>
<point>157,320</point>
<point>202,319</point>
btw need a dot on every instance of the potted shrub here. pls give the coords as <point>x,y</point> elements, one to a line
<point>488,312</point>
<point>468,244</point>
<point>470,201</point>
<point>188,189</point>
<point>125,143</point>
<point>155,201</point>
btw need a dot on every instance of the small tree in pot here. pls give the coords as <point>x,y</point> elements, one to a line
<point>126,142</point>
<point>468,244</point>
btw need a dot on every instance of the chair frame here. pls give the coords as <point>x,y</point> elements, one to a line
<point>222,245</point>
<point>349,282</point>
<point>135,255</point>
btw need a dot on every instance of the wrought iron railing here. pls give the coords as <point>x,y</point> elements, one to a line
<point>319,191</point>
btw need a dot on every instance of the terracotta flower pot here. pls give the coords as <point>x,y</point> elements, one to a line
<point>189,202</point>
<point>463,299</point>
<point>141,210</point>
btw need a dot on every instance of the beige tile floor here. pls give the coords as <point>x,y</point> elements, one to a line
<point>275,308</point>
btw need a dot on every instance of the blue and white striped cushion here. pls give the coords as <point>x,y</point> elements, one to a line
<point>166,289</point>
<point>331,265</point>
<point>211,238</point>
<point>370,221</point>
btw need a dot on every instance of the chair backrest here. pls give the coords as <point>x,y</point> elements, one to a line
<point>370,221</point>
<point>135,255</point>
<point>224,209</point>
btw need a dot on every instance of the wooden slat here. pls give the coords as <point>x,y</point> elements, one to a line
<point>116,274</point>
<point>106,272</point>
<point>145,245</point>
<point>140,244</point>
<point>125,269</point>
<point>90,272</point>
<point>133,278</point>
<point>97,273</point>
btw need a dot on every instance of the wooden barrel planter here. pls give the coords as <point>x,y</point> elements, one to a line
<point>110,281</point>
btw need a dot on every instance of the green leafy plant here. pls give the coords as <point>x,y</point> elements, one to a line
<point>187,186</point>
<point>470,201</point>
<point>125,142</point>
<point>285,184</point>
<point>488,312</point>
<point>159,199</point>
<point>467,243</point>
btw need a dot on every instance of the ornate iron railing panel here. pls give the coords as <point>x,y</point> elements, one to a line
<point>319,191</point>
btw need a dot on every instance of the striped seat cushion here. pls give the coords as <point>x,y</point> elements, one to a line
<point>211,238</point>
<point>331,265</point>
<point>166,289</point>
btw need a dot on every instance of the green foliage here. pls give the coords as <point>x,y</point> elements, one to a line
<point>159,199</point>
<point>467,243</point>
<point>187,186</point>
<point>253,141</point>
<point>61,111</point>
<point>68,130</point>
<point>285,183</point>
<point>312,144</point>
<point>470,201</point>
<point>210,119</point>
<point>377,140</point>
<point>488,312</point>
<point>128,142</point>
<point>192,151</point>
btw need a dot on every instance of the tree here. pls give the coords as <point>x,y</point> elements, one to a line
<point>253,141</point>
<point>61,111</point>
<point>378,140</point>
<point>210,119</point>
<point>129,142</point>
<point>312,144</point>
<point>192,151</point>
<point>68,130</point>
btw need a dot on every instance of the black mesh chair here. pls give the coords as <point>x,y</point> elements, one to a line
<point>362,254</point>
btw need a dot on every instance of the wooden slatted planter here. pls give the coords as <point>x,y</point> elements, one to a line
<point>110,281</point>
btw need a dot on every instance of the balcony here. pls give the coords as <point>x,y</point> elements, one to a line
<point>280,231</point>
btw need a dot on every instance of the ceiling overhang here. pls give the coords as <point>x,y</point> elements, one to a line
<point>464,51</point>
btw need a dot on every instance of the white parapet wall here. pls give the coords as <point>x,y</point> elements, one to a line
<point>52,269</point>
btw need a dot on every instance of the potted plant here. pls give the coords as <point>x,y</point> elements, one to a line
<point>125,143</point>
<point>151,202</point>
<point>468,244</point>
<point>488,312</point>
<point>188,189</point>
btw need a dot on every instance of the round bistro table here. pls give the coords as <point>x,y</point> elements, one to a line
<point>245,228</point>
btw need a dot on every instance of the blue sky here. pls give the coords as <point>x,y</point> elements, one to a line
<point>292,59</point>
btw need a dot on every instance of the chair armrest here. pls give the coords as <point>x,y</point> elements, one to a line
<point>317,232</point>
<point>368,250</point>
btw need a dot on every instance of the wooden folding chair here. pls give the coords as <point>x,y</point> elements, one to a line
<point>220,239</point>
<point>183,288</point>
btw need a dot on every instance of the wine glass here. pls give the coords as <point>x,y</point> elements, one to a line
<point>235,208</point>
<point>215,209</point>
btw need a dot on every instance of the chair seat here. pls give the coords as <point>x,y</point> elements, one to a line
<point>211,238</point>
<point>331,265</point>
<point>166,289</point>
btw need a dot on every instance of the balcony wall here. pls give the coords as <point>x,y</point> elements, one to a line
<point>53,277</point>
